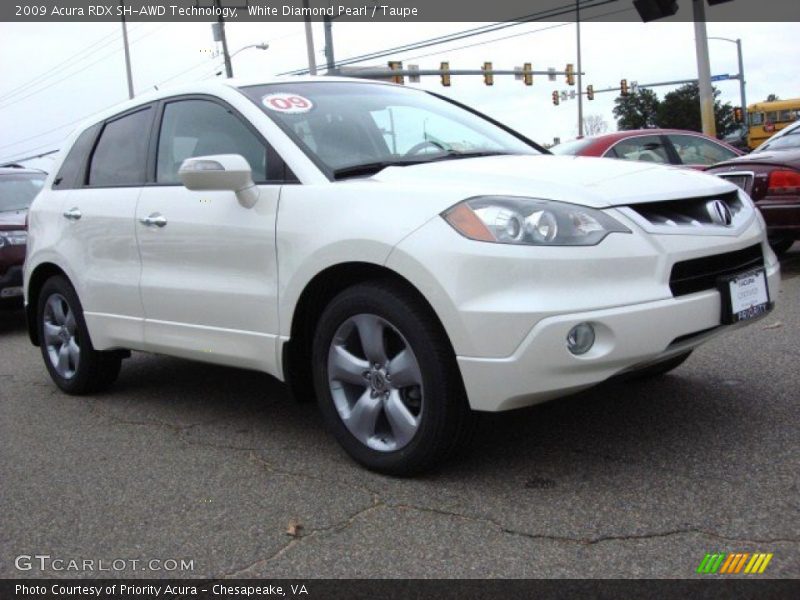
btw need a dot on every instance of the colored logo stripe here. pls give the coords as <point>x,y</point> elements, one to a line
<point>734,562</point>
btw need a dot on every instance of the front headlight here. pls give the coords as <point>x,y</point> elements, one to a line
<point>13,238</point>
<point>529,221</point>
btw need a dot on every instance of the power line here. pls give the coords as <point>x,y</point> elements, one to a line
<point>538,16</point>
<point>31,157</point>
<point>515,35</point>
<point>46,74</point>
<point>81,69</point>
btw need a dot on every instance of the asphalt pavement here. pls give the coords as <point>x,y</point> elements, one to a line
<point>217,466</point>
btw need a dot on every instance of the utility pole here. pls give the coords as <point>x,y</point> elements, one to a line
<point>704,69</point>
<point>741,81</point>
<point>224,40</point>
<point>127,52</point>
<point>312,61</point>
<point>329,44</point>
<point>580,85</point>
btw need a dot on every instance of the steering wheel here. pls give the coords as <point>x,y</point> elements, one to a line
<point>416,148</point>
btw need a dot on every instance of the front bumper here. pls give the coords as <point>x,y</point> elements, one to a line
<point>507,310</point>
<point>626,337</point>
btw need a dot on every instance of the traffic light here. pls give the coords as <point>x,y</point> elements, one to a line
<point>488,76</point>
<point>527,74</point>
<point>650,10</point>
<point>570,74</point>
<point>623,87</point>
<point>445,69</point>
<point>590,92</point>
<point>397,65</point>
<point>555,98</point>
<point>738,116</point>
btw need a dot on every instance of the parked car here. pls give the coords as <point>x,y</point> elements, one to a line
<point>664,146</point>
<point>771,176</point>
<point>399,255</point>
<point>18,187</point>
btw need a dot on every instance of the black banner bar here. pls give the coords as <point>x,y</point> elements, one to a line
<point>396,589</point>
<point>379,10</point>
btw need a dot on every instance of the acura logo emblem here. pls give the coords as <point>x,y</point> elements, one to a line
<point>719,212</point>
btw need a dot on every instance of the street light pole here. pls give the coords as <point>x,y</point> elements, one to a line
<point>580,85</point>
<point>704,69</point>
<point>740,76</point>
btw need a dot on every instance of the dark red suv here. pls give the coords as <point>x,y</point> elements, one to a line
<point>18,188</point>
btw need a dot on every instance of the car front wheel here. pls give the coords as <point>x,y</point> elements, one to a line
<point>73,363</point>
<point>387,380</point>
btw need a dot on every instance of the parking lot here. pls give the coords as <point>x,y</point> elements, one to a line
<point>182,460</point>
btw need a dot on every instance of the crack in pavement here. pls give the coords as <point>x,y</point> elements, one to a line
<point>295,541</point>
<point>591,541</point>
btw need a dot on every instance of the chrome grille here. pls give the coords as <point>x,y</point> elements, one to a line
<point>692,212</point>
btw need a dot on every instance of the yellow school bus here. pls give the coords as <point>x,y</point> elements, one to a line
<point>765,118</point>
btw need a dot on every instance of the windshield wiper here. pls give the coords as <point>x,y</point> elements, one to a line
<point>375,167</point>
<point>371,168</point>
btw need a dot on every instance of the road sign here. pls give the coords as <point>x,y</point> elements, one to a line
<point>413,78</point>
<point>551,74</point>
<point>722,77</point>
<point>563,96</point>
<point>634,87</point>
<point>518,73</point>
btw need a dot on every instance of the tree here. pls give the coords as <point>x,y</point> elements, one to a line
<point>594,125</point>
<point>680,109</point>
<point>637,111</point>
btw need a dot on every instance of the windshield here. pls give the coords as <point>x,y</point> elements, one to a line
<point>18,191</point>
<point>356,128</point>
<point>785,141</point>
<point>572,147</point>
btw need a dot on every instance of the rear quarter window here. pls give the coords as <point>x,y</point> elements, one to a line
<point>72,173</point>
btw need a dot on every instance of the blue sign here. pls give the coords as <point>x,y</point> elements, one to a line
<point>720,77</point>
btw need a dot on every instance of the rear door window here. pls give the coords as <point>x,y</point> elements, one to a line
<point>694,150</point>
<point>644,148</point>
<point>120,156</point>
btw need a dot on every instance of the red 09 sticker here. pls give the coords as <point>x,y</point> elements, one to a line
<point>287,103</point>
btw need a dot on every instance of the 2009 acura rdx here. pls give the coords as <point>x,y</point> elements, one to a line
<point>401,256</point>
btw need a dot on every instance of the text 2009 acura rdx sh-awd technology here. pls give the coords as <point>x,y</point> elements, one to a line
<point>401,256</point>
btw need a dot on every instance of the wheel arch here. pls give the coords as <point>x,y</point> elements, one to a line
<point>318,292</point>
<point>40,274</point>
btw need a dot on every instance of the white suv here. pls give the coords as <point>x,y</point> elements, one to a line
<point>400,256</point>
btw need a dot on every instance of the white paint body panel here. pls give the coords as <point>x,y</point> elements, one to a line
<point>221,282</point>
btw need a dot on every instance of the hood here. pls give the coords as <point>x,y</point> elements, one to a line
<point>596,182</point>
<point>12,219</point>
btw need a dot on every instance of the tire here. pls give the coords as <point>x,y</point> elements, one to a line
<point>73,363</point>
<point>780,246</point>
<point>408,424</point>
<point>661,368</point>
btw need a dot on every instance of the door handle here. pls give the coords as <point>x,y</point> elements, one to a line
<point>73,214</point>
<point>156,219</point>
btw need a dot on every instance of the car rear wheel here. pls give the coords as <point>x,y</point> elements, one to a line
<point>73,363</point>
<point>387,381</point>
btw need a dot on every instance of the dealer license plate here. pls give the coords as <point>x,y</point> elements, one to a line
<point>744,296</point>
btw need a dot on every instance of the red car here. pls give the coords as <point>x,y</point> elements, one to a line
<point>18,187</point>
<point>771,175</point>
<point>665,146</point>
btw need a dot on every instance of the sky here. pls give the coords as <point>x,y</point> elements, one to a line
<point>72,70</point>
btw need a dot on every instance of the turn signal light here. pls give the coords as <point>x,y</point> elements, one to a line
<point>784,182</point>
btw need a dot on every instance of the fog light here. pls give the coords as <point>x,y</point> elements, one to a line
<point>580,338</point>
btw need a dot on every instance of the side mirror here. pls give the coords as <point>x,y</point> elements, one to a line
<point>220,172</point>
